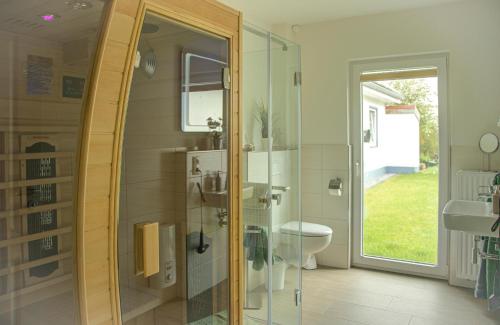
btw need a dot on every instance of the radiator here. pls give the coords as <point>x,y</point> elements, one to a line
<point>465,187</point>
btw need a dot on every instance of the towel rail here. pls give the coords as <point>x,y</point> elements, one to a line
<point>490,257</point>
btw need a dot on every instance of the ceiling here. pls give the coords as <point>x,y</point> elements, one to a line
<point>309,11</point>
<point>23,17</point>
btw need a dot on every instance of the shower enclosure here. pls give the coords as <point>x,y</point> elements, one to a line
<point>271,167</point>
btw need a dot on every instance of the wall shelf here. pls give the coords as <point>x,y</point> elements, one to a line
<point>39,235</point>
<point>41,261</point>
<point>34,182</point>
<point>39,208</point>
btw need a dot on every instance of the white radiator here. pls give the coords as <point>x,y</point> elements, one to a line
<point>465,187</point>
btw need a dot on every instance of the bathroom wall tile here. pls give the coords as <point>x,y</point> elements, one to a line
<point>334,256</point>
<point>209,161</point>
<point>335,157</point>
<point>151,196</point>
<point>312,205</point>
<point>335,207</point>
<point>311,181</point>
<point>312,156</point>
<point>210,220</point>
<point>143,165</point>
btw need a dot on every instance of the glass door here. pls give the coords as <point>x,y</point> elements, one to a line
<point>271,126</point>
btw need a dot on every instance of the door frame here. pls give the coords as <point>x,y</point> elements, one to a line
<point>438,60</point>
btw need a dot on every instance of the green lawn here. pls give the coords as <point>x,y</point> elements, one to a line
<point>401,218</point>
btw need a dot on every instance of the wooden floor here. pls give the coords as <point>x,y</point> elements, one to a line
<point>356,296</point>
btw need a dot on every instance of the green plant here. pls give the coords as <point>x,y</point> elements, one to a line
<point>262,116</point>
<point>215,126</point>
<point>417,92</point>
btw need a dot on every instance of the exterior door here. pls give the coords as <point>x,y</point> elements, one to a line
<point>400,164</point>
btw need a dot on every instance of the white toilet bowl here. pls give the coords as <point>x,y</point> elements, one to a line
<point>315,238</point>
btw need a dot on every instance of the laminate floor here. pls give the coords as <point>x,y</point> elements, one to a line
<point>357,296</point>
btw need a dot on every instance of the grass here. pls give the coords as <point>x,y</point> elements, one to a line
<point>401,218</point>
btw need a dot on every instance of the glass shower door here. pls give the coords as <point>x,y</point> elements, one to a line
<point>285,181</point>
<point>271,127</point>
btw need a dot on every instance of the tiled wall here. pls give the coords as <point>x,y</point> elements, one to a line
<point>155,185</point>
<point>320,163</point>
<point>210,268</point>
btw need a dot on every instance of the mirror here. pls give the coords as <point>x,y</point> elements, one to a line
<point>202,92</point>
<point>489,143</point>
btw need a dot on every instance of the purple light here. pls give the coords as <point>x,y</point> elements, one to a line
<point>49,17</point>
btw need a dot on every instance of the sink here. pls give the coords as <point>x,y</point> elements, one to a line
<point>469,216</point>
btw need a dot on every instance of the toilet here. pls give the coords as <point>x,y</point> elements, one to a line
<point>315,238</point>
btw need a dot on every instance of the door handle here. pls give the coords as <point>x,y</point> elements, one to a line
<point>357,168</point>
<point>282,188</point>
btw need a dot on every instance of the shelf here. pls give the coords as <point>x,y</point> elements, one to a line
<point>39,235</point>
<point>34,182</point>
<point>134,303</point>
<point>36,287</point>
<point>28,265</point>
<point>39,208</point>
<point>38,129</point>
<point>36,155</point>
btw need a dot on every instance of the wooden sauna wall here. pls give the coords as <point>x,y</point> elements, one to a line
<point>27,118</point>
<point>101,152</point>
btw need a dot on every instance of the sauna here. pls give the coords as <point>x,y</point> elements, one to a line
<point>120,162</point>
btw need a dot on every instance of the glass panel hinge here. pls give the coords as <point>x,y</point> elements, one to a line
<point>298,297</point>
<point>226,78</point>
<point>297,78</point>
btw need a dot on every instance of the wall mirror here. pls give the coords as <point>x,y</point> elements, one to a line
<point>488,143</point>
<point>202,91</point>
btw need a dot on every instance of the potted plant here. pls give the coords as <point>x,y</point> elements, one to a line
<point>262,116</point>
<point>215,126</point>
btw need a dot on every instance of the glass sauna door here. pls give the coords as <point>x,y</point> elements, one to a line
<point>45,65</point>
<point>271,163</point>
<point>173,218</point>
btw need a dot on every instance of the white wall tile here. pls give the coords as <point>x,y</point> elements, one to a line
<point>335,157</point>
<point>335,207</point>
<point>311,181</point>
<point>334,256</point>
<point>312,156</point>
<point>311,205</point>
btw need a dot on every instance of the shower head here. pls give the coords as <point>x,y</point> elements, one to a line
<point>148,28</point>
<point>149,63</point>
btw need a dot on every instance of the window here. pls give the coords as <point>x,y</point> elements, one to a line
<point>371,134</point>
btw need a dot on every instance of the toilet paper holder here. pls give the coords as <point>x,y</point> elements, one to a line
<point>335,187</point>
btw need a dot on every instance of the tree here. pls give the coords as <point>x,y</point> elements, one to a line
<point>417,92</point>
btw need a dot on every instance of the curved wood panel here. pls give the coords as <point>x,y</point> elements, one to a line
<point>99,170</point>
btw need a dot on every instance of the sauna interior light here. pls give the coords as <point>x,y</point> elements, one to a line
<point>49,17</point>
<point>75,4</point>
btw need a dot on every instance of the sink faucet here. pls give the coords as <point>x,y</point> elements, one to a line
<point>485,193</point>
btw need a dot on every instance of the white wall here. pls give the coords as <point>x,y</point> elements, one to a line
<point>468,30</point>
<point>401,140</point>
<point>374,157</point>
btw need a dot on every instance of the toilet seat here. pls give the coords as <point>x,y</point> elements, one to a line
<point>308,229</point>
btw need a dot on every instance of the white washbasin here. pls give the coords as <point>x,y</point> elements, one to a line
<point>469,216</point>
